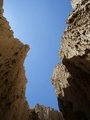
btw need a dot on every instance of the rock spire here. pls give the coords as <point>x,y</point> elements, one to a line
<point>71,77</point>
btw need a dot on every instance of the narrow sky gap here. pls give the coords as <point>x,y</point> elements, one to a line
<point>40,24</point>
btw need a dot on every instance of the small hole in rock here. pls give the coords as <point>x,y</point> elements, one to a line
<point>6,80</point>
<point>15,53</point>
<point>6,73</point>
<point>8,104</point>
<point>0,65</point>
<point>76,46</point>
<point>14,61</point>
<point>84,32</point>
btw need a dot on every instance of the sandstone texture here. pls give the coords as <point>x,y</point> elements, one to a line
<point>12,78</point>
<point>47,113</point>
<point>13,104</point>
<point>74,3</point>
<point>71,77</point>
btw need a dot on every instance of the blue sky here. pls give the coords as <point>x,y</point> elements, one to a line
<point>39,23</point>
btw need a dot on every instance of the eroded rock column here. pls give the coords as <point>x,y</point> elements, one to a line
<point>12,75</point>
<point>71,78</point>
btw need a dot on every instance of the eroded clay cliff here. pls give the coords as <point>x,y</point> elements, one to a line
<point>13,104</point>
<point>71,77</point>
<point>12,78</point>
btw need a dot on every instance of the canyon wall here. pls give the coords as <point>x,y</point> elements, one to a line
<point>12,78</point>
<point>13,104</point>
<point>71,77</point>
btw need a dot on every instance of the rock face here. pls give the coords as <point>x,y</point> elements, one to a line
<point>74,3</point>
<point>13,104</point>
<point>12,78</point>
<point>71,78</point>
<point>47,113</point>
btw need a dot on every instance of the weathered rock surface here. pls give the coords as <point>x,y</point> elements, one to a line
<point>71,78</point>
<point>47,113</point>
<point>12,78</point>
<point>74,3</point>
<point>13,104</point>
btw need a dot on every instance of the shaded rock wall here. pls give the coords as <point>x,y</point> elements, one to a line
<point>13,104</point>
<point>12,78</point>
<point>71,78</point>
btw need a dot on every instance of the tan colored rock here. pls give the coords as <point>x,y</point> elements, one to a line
<point>12,78</point>
<point>74,3</point>
<point>71,78</point>
<point>47,113</point>
<point>1,3</point>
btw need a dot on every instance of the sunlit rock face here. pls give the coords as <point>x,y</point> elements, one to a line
<point>47,113</point>
<point>71,78</point>
<point>13,104</point>
<point>75,2</point>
